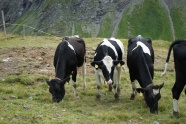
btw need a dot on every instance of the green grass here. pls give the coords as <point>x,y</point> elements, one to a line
<point>24,98</point>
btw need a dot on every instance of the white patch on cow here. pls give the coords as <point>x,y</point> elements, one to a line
<point>175,105</point>
<point>71,47</point>
<point>156,91</point>
<point>98,74</point>
<point>139,37</point>
<point>95,54</point>
<point>107,43</point>
<point>165,70</point>
<point>108,62</point>
<point>143,46</point>
<point>75,36</point>
<point>120,44</point>
<point>108,82</point>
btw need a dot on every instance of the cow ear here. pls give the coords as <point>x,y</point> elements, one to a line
<point>140,90</point>
<point>149,41</point>
<point>131,41</point>
<point>48,82</point>
<point>96,64</point>
<point>119,63</point>
<point>161,85</point>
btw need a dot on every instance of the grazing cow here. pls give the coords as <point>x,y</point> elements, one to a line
<point>69,55</point>
<point>179,52</point>
<point>108,60</point>
<point>140,61</point>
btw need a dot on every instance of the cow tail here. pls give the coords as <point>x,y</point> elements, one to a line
<point>169,53</point>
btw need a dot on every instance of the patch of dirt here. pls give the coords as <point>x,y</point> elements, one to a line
<point>37,60</point>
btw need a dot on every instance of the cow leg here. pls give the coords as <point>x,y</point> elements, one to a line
<point>110,88</point>
<point>176,91</point>
<point>134,93</point>
<point>98,81</point>
<point>74,74</point>
<point>84,75</point>
<point>118,79</point>
<point>116,95</point>
<point>115,80</point>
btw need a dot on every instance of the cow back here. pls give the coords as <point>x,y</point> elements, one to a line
<point>79,47</point>
<point>132,43</point>
<point>110,48</point>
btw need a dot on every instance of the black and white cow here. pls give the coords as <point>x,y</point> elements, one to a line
<point>108,60</point>
<point>179,52</point>
<point>69,55</point>
<point>140,61</point>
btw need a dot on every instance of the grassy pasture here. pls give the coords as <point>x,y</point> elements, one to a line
<point>24,96</point>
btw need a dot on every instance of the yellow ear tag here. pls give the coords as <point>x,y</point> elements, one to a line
<point>96,66</point>
<point>140,94</point>
<point>119,65</point>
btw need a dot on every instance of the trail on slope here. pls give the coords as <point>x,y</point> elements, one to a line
<point>170,18</point>
<point>118,19</point>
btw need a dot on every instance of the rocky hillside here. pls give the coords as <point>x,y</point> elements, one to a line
<point>156,19</point>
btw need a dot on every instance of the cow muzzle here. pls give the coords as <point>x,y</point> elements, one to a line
<point>108,82</point>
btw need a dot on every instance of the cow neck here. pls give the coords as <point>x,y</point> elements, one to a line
<point>60,71</point>
<point>61,68</point>
<point>150,77</point>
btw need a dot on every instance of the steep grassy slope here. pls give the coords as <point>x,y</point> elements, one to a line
<point>179,23</point>
<point>120,18</point>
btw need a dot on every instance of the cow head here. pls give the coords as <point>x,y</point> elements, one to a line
<point>151,95</point>
<point>57,89</point>
<point>107,66</point>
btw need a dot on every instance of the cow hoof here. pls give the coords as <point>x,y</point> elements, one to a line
<point>132,97</point>
<point>98,97</point>
<point>116,96</point>
<point>76,96</point>
<point>110,88</point>
<point>176,114</point>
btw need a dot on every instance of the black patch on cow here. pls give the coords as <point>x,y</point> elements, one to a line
<point>141,65</point>
<point>118,49</point>
<point>66,61</point>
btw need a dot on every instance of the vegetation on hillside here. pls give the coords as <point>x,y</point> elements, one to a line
<point>89,18</point>
<point>148,19</point>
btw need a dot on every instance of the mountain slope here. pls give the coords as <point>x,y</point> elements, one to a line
<point>156,19</point>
